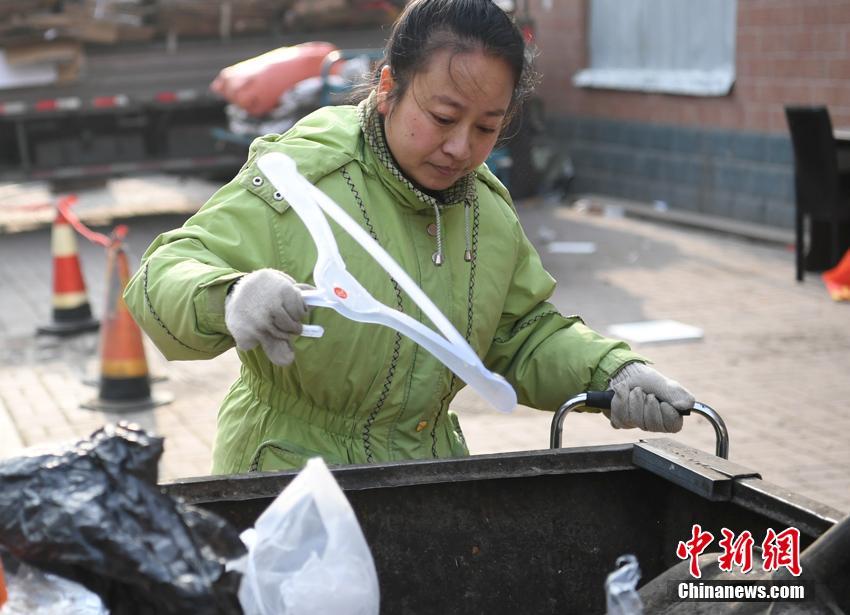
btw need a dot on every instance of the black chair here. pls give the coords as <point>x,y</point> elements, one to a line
<point>822,192</point>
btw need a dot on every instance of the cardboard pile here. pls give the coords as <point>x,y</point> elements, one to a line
<point>202,18</point>
<point>36,64</point>
<point>12,9</point>
<point>43,40</point>
<point>307,15</point>
<point>84,21</point>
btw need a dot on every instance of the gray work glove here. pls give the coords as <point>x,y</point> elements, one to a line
<point>265,307</point>
<point>646,399</point>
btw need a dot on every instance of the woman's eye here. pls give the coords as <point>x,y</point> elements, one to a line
<point>445,121</point>
<point>487,130</point>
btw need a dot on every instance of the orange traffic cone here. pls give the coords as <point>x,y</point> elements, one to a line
<point>71,310</point>
<point>124,382</point>
<point>3,594</point>
<point>837,279</point>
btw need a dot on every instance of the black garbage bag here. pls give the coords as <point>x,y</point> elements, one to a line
<point>93,513</point>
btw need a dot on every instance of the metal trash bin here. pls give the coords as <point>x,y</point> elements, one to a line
<point>530,532</point>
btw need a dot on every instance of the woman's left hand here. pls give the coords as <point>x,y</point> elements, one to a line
<point>646,399</point>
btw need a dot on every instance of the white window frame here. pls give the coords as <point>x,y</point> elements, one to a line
<point>668,46</point>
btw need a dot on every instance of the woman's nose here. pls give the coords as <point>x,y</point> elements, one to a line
<point>457,145</point>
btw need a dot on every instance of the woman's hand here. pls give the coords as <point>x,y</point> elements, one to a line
<point>646,399</point>
<point>265,307</point>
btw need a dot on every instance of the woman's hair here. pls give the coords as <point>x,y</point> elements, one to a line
<point>460,26</point>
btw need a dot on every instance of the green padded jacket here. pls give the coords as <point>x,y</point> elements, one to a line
<point>362,392</point>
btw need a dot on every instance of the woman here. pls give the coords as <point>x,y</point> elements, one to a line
<point>407,163</point>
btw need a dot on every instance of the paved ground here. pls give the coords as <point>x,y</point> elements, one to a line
<point>773,360</point>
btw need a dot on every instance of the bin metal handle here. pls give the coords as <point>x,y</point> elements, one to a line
<point>602,400</point>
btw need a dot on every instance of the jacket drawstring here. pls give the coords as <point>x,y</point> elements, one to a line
<point>438,255</point>
<point>467,255</point>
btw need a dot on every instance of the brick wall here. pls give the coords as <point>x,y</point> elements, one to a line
<point>787,51</point>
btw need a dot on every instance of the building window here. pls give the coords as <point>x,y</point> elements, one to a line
<point>671,46</point>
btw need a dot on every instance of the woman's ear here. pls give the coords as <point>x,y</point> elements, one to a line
<point>385,86</point>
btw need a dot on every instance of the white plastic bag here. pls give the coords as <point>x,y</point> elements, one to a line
<point>621,587</point>
<point>307,554</point>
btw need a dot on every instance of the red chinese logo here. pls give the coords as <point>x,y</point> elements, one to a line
<point>778,550</point>
<point>694,547</point>
<point>782,549</point>
<point>736,551</point>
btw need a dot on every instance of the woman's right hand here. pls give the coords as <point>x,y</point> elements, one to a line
<point>265,307</point>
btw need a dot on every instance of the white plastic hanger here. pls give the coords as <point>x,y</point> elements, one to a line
<point>339,290</point>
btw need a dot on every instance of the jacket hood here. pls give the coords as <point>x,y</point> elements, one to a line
<point>323,141</point>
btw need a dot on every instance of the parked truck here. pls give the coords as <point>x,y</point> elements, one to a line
<point>140,102</point>
<point>140,106</point>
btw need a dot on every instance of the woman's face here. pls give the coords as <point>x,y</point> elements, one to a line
<point>448,120</point>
